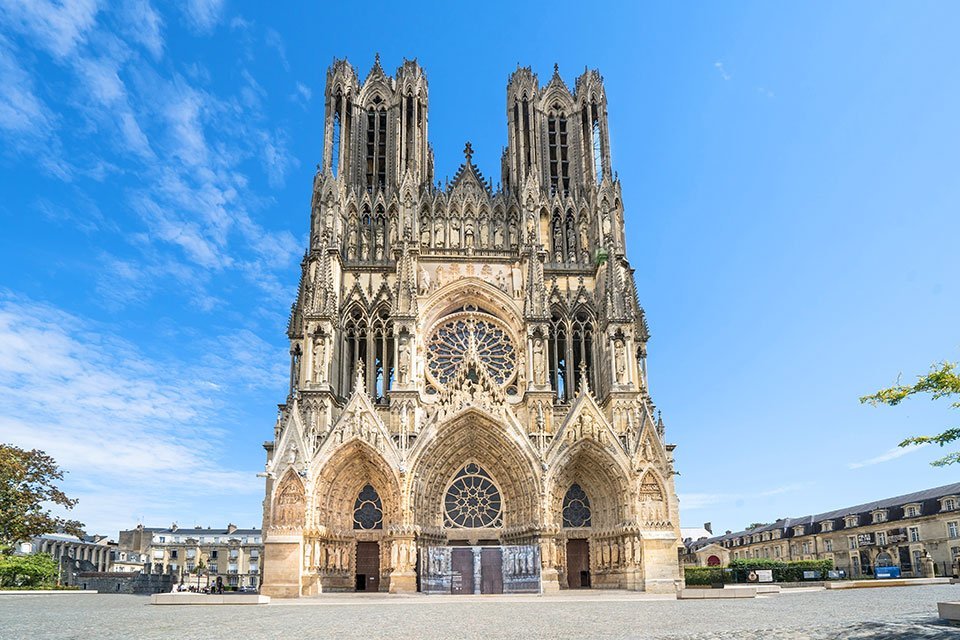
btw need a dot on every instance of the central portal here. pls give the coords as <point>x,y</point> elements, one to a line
<point>481,569</point>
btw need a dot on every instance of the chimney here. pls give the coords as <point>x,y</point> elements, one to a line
<point>231,528</point>
<point>708,527</point>
<point>173,527</point>
<point>728,532</point>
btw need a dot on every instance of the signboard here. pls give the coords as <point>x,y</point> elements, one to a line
<point>896,535</point>
<point>764,575</point>
<point>886,572</point>
<point>865,540</point>
<point>811,575</point>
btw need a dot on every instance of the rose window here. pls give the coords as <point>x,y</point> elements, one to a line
<point>472,500</point>
<point>476,337</point>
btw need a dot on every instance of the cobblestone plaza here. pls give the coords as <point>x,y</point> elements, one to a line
<point>908,612</point>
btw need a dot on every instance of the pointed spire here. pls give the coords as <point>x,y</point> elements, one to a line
<point>358,380</point>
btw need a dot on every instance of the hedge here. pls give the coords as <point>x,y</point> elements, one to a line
<point>738,570</point>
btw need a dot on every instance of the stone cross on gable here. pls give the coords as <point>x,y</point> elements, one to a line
<point>468,152</point>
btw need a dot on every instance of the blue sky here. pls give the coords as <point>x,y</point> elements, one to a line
<point>793,215</point>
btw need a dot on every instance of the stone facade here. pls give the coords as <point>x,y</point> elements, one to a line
<point>468,407</point>
<point>234,555</point>
<point>918,532</point>
<point>73,554</point>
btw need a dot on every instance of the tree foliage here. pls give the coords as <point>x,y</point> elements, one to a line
<point>28,484</point>
<point>36,570</point>
<point>942,381</point>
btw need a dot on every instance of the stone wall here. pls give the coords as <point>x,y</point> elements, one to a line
<point>128,583</point>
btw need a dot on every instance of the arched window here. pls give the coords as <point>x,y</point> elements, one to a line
<point>472,500</point>
<point>526,134</point>
<point>335,144</point>
<point>382,350</point>
<point>597,144</point>
<point>354,347</point>
<point>368,510</point>
<point>558,356</point>
<point>582,352</point>
<point>559,153</point>
<point>376,145</point>
<point>576,507</point>
<point>713,561</point>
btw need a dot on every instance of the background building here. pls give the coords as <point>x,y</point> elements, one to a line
<point>73,555</point>
<point>898,531</point>
<point>232,554</point>
<point>468,407</point>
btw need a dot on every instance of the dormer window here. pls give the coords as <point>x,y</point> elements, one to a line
<point>948,504</point>
<point>851,521</point>
<point>911,510</point>
<point>880,515</point>
<point>798,530</point>
<point>826,525</point>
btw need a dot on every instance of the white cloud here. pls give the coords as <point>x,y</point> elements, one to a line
<point>691,501</point>
<point>56,27</point>
<point>723,72</point>
<point>144,25</point>
<point>203,15</point>
<point>275,41</point>
<point>891,454</point>
<point>22,112</point>
<point>113,417</point>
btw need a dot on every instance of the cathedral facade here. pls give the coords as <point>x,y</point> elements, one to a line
<point>468,408</point>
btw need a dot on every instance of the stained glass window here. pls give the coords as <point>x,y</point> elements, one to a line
<point>368,510</point>
<point>576,507</point>
<point>473,500</point>
<point>464,334</point>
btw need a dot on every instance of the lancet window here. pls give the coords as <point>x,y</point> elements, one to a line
<point>559,152</point>
<point>576,507</point>
<point>368,509</point>
<point>370,340</point>
<point>335,145</point>
<point>376,170</point>
<point>571,353</point>
<point>382,351</point>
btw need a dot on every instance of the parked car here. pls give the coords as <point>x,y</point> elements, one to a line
<point>247,589</point>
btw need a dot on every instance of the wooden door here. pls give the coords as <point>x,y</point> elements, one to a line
<point>491,570</point>
<point>368,566</point>
<point>578,563</point>
<point>461,569</point>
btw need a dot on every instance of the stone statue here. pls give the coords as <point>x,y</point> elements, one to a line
<point>620,358</point>
<point>320,359</point>
<point>539,369</point>
<point>424,281</point>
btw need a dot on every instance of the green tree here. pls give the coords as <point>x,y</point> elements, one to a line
<point>942,381</point>
<point>37,570</point>
<point>28,483</point>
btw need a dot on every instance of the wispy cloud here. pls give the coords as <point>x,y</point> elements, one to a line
<point>57,27</point>
<point>691,501</point>
<point>723,72</point>
<point>892,454</point>
<point>115,418</point>
<point>203,15</point>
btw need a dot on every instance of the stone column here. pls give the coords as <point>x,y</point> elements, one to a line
<point>282,561</point>
<point>549,574</point>
<point>403,554</point>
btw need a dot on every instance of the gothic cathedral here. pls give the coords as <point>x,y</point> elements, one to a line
<point>468,407</point>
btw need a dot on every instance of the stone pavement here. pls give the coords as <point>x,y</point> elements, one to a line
<point>874,614</point>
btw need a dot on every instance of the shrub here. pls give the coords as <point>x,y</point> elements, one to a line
<point>706,575</point>
<point>782,571</point>
<point>32,571</point>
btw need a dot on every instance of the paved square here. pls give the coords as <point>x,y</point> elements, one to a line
<point>868,613</point>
